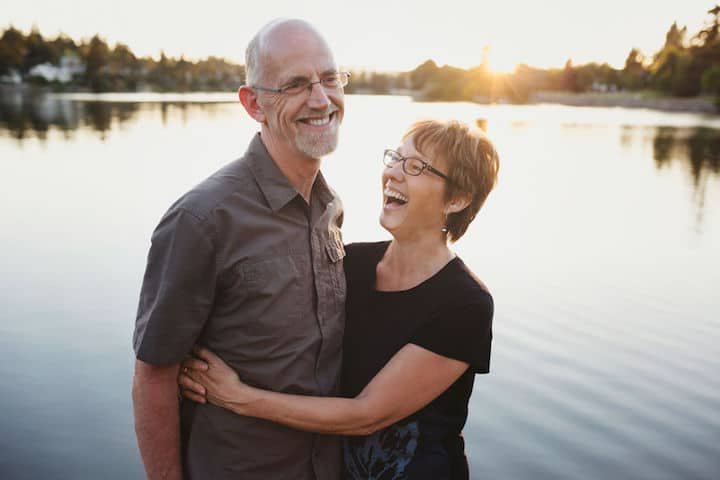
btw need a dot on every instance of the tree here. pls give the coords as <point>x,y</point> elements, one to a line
<point>675,37</point>
<point>97,56</point>
<point>38,51</point>
<point>64,45</point>
<point>122,59</point>
<point>634,73</point>
<point>569,77</point>
<point>710,35</point>
<point>12,50</point>
<point>674,70</point>
<point>379,82</point>
<point>422,73</point>
<point>711,84</point>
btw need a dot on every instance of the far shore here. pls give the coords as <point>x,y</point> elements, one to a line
<point>701,104</point>
<point>647,100</point>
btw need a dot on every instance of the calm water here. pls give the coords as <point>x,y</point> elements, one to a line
<point>601,245</point>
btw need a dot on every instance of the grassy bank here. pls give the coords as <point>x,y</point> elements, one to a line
<point>651,100</point>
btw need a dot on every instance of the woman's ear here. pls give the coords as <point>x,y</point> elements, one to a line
<point>457,204</point>
<point>248,98</point>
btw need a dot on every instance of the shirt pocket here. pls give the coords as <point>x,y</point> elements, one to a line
<point>269,293</point>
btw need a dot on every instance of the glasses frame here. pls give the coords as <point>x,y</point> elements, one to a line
<point>389,152</point>
<point>342,77</point>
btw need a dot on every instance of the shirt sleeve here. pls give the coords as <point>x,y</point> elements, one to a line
<point>177,291</point>
<point>463,333</point>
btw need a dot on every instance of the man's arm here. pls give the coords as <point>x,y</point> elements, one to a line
<point>157,419</point>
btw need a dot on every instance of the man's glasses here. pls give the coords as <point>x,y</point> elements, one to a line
<point>332,81</point>
<point>411,165</point>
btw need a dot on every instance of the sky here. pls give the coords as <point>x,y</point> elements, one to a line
<point>383,35</point>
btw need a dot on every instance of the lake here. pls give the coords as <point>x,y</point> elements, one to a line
<point>600,244</point>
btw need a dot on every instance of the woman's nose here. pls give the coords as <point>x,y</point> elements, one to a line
<point>395,171</point>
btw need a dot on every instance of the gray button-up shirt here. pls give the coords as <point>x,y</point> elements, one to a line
<point>245,266</point>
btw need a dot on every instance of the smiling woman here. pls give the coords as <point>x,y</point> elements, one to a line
<point>468,181</point>
<point>418,328</point>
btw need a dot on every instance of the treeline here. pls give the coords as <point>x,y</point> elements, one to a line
<point>684,66</point>
<point>97,66</point>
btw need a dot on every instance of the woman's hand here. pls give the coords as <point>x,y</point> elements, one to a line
<point>206,378</point>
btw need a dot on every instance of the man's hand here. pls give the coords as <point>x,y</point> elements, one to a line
<point>157,420</point>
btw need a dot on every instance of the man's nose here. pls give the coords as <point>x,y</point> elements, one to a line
<point>318,97</point>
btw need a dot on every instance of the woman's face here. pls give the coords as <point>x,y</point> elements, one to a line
<point>413,206</point>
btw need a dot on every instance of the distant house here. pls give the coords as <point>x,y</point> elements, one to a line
<point>13,78</point>
<point>69,67</point>
<point>603,87</point>
<point>72,65</point>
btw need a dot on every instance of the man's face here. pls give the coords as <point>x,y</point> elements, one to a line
<point>305,123</point>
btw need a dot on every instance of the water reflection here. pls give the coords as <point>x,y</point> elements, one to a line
<point>698,148</point>
<point>24,115</point>
<point>33,116</point>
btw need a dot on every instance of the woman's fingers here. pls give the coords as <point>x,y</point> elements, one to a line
<point>189,394</point>
<point>191,363</point>
<point>187,383</point>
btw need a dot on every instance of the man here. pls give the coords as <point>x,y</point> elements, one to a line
<point>249,264</point>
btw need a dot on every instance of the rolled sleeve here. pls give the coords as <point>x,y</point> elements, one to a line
<point>178,289</point>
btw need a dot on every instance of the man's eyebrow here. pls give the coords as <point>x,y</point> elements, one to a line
<point>296,78</point>
<point>304,78</point>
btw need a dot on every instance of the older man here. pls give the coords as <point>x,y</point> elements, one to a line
<point>249,264</point>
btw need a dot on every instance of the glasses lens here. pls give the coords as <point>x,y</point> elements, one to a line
<point>293,88</point>
<point>413,166</point>
<point>390,158</point>
<point>336,80</point>
<point>331,81</point>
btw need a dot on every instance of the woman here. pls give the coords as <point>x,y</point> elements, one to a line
<point>418,322</point>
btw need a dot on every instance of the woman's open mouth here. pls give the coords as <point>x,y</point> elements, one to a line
<point>394,198</point>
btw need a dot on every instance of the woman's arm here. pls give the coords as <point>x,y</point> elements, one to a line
<point>410,380</point>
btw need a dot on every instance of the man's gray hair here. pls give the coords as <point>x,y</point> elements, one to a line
<point>253,72</point>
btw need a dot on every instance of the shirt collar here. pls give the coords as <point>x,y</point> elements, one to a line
<point>276,188</point>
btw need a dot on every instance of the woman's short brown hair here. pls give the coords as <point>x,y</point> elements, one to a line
<point>470,158</point>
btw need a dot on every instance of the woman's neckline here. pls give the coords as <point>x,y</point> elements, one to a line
<point>413,288</point>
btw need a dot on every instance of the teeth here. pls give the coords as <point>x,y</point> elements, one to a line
<point>396,195</point>
<point>319,122</point>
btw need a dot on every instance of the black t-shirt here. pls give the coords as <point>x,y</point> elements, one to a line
<point>449,314</point>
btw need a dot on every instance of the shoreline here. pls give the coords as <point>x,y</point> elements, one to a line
<point>646,100</point>
<point>700,104</point>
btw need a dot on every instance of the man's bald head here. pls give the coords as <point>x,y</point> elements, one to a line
<point>258,55</point>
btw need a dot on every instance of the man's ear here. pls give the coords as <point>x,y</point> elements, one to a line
<point>457,204</point>
<point>248,98</point>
